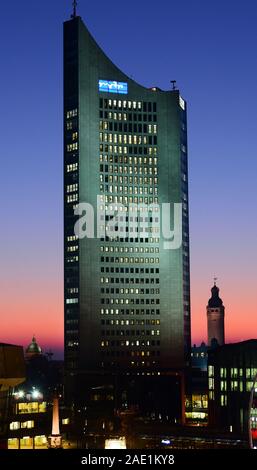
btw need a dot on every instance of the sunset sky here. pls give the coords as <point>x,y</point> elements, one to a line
<point>210,49</point>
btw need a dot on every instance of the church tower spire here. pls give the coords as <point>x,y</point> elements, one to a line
<point>215,317</point>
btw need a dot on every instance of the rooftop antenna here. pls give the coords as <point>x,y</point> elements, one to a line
<point>173,82</point>
<point>75,4</point>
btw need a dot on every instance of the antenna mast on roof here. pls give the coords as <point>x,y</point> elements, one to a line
<point>75,4</point>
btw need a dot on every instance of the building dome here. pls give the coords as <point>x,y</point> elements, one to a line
<point>215,301</point>
<point>33,348</point>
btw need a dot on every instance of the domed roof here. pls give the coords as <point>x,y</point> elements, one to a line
<point>215,301</point>
<point>33,347</point>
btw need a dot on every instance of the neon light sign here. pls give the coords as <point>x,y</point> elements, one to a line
<point>113,87</point>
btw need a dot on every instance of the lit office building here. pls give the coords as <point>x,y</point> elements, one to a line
<point>232,370</point>
<point>127,297</point>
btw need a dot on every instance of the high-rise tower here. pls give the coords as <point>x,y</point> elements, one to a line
<point>127,297</point>
<point>215,317</point>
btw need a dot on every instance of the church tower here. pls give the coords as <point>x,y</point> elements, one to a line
<point>215,317</point>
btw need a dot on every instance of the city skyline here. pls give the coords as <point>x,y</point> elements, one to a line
<point>31,243</point>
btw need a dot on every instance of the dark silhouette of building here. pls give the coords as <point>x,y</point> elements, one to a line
<point>215,317</point>
<point>127,299</point>
<point>232,369</point>
<point>12,373</point>
<point>199,356</point>
<point>197,390</point>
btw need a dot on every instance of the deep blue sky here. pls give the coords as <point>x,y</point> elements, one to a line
<point>209,47</point>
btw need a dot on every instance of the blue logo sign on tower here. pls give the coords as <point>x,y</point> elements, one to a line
<point>113,87</point>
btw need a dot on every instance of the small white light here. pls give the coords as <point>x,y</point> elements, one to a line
<point>35,394</point>
<point>21,394</point>
<point>166,441</point>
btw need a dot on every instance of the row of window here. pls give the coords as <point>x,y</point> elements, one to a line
<point>132,208</point>
<point>131,342</point>
<point>128,104</point>
<point>125,149</point>
<point>133,229</point>
<point>234,372</point>
<point>145,129</point>
<point>31,407</point>
<point>109,199</point>
<point>131,322</point>
<point>72,259</point>
<point>128,189</point>
<point>106,269</point>
<point>71,188</point>
<point>107,311</point>
<point>128,116</point>
<point>72,248</point>
<point>126,259</point>
<point>72,238</point>
<point>129,170</point>
<point>135,365</point>
<point>137,301</point>
<point>72,301</point>
<point>70,125</point>
<point>72,113</point>
<point>72,167</point>
<point>236,386</point>
<point>128,291</point>
<point>130,353</point>
<point>130,332</point>
<point>72,198</point>
<point>127,280</point>
<point>73,290</point>
<point>120,104</point>
<point>142,180</point>
<point>127,139</point>
<point>150,240</point>
<point>24,425</point>
<point>125,160</point>
<point>72,147</point>
<point>131,249</point>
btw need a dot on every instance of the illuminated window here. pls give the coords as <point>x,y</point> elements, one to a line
<point>71,188</point>
<point>72,147</point>
<point>72,113</point>
<point>234,385</point>
<point>31,407</point>
<point>28,424</point>
<point>211,383</point>
<point>234,372</point>
<point>72,167</point>
<point>72,301</point>
<point>223,400</point>
<point>223,385</point>
<point>65,421</point>
<point>249,386</point>
<point>14,425</point>
<point>72,197</point>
